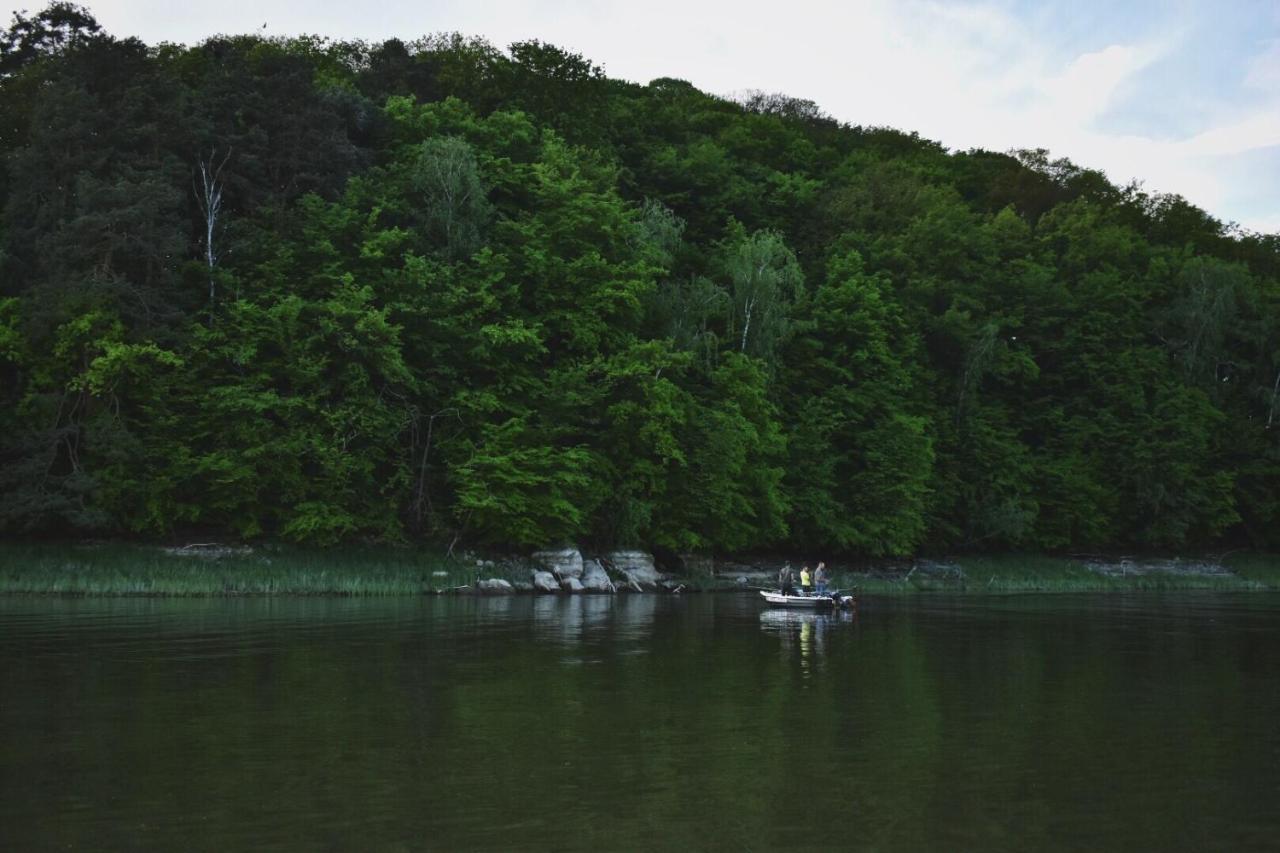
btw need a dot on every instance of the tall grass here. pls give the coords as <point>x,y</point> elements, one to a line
<point>1023,573</point>
<point>114,569</point>
<point>1031,573</point>
<point>1262,569</point>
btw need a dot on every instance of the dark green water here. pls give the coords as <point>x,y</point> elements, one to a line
<point>703,722</point>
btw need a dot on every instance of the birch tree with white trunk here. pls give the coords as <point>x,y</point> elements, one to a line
<point>209,187</point>
<point>447,176</point>
<point>765,280</point>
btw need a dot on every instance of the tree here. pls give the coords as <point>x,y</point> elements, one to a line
<point>729,496</point>
<point>60,27</point>
<point>446,177</point>
<point>208,187</point>
<point>764,280</point>
<point>860,461</point>
<point>430,289</point>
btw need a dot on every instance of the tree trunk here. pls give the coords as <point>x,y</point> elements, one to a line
<point>209,197</point>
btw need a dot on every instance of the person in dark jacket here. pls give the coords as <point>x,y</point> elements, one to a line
<point>785,584</point>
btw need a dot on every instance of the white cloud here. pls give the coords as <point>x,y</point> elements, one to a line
<point>1266,224</point>
<point>1259,130</point>
<point>1264,69</point>
<point>1080,94</point>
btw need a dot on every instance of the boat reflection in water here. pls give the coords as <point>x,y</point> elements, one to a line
<point>804,633</point>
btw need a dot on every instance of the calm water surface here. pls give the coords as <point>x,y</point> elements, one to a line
<point>697,722</point>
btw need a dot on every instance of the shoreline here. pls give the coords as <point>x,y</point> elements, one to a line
<point>118,570</point>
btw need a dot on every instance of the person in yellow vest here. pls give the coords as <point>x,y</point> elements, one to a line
<point>805,581</point>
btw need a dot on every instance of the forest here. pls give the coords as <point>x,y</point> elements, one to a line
<point>442,292</point>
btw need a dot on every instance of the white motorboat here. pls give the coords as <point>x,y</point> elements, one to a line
<point>812,602</point>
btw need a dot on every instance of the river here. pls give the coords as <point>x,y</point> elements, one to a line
<point>697,722</point>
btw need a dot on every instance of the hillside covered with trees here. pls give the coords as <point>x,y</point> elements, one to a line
<point>438,291</point>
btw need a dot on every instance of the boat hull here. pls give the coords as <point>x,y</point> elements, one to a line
<point>806,602</point>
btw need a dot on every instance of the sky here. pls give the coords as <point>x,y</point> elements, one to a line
<point>1181,95</point>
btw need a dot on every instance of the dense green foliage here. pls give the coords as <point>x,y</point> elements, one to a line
<point>330,291</point>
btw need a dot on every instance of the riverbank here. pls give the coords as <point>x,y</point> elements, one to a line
<point>218,570</point>
<point>1027,573</point>
<point>124,570</point>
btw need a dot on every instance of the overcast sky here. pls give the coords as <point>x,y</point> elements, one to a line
<point>1183,96</point>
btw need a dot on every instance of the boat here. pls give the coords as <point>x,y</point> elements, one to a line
<point>811,602</point>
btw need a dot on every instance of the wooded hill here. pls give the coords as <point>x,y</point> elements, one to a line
<point>434,290</point>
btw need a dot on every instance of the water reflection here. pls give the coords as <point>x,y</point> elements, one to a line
<point>495,606</point>
<point>804,633</point>
<point>636,615</point>
<point>587,624</point>
<point>567,619</point>
<point>687,722</point>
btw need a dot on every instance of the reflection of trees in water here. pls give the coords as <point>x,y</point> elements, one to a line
<point>571,619</point>
<point>497,607</point>
<point>636,615</point>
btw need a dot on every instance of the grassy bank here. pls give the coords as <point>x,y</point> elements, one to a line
<point>1023,573</point>
<point>120,569</point>
<point>140,570</point>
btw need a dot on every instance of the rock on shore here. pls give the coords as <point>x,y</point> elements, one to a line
<point>564,563</point>
<point>636,567</point>
<point>545,582</point>
<point>595,578</point>
<point>564,569</point>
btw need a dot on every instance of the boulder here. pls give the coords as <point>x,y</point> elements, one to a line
<point>636,567</point>
<point>545,582</point>
<point>698,564</point>
<point>595,579</point>
<point>563,562</point>
<point>494,586</point>
<point>571,585</point>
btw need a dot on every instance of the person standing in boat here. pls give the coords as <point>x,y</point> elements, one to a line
<point>806,585</point>
<point>784,580</point>
<point>820,577</point>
